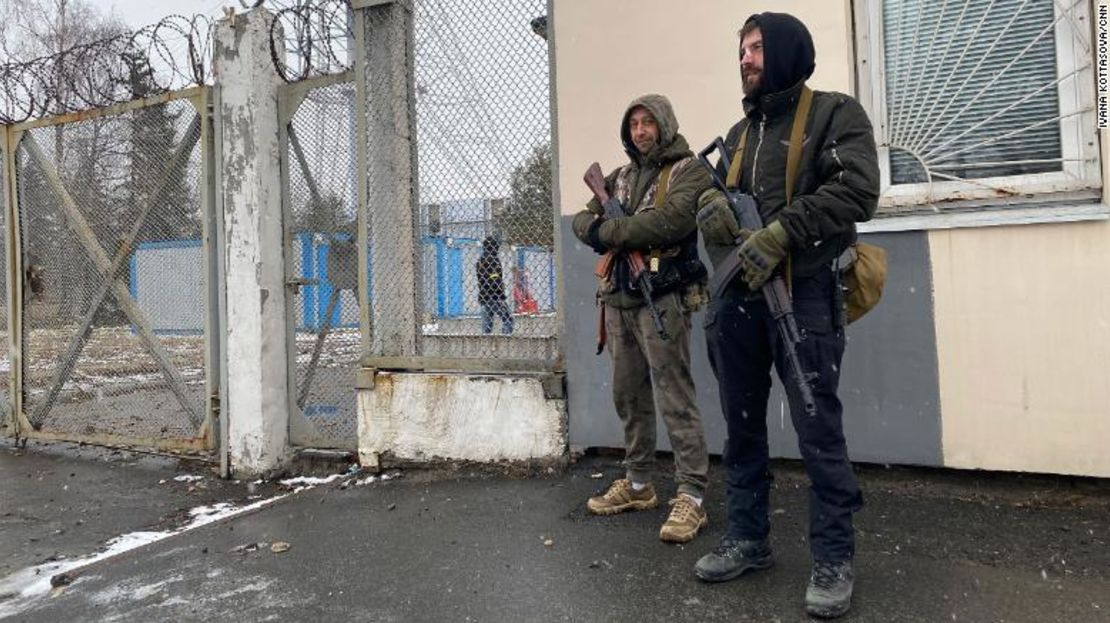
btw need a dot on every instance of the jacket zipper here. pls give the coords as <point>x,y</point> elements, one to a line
<point>755,159</point>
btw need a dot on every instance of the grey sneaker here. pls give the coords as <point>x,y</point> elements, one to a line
<point>829,594</point>
<point>732,558</point>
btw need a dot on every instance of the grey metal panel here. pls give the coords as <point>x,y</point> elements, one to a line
<point>888,385</point>
<point>889,381</point>
<point>891,386</point>
<point>593,421</point>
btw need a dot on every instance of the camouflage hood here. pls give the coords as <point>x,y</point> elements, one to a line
<point>671,145</point>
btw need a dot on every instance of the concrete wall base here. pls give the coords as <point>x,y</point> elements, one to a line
<point>425,417</point>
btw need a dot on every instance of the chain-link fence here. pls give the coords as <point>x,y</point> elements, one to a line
<point>469,271</point>
<point>115,298</point>
<point>456,260</point>
<point>486,223</point>
<point>322,219</point>
<point>479,247</point>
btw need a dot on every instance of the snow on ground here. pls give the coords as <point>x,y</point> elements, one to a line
<point>24,586</point>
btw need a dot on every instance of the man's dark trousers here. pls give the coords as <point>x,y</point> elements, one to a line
<point>743,342</point>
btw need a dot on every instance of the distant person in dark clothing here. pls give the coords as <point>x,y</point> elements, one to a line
<point>491,288</point>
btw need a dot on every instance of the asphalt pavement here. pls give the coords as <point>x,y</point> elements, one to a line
<point>482,544</point>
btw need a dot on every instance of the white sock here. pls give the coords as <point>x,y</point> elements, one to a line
<point>638,486</point>
<point>694,499</point>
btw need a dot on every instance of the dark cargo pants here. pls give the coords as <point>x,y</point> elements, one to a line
<point>652,375</point>
<point>743,343</point>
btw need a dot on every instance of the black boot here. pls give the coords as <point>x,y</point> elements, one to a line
<point>732,558</point>
<point>829,594</point>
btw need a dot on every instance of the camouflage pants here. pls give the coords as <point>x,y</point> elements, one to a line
<point>650,376</point>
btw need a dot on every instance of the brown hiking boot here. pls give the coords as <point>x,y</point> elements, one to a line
<point>685,520</point>
<point>622,497</point>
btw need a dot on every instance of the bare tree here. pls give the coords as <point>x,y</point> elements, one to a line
<point>84,154</point>
<point>34,28</point>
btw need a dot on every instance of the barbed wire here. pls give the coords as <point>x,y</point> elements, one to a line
<point>311,39</point>
<point>308,38</point>
<point>171,54</point>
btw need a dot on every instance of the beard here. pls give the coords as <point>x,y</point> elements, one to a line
<point>751,81</point>
<point>645,146</point>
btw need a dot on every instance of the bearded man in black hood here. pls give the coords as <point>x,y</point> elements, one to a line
<point>807,228</point>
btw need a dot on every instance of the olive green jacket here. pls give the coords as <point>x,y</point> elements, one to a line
<point>670,228</point>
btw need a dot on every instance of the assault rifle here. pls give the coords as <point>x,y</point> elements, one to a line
<point>637,269</point>
<point>774,291</point>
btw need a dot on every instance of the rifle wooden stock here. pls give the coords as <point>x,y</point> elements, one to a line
<point>595,180</point>
<point>636,264</point>
<point>605,265</point>
<point>602,334</point>
<point>612,209</point>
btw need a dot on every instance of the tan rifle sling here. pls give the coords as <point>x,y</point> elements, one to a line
<point>793,154</point>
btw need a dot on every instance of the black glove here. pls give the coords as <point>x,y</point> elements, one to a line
<point>594,241</point>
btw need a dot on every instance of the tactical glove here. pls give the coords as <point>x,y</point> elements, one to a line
<point>762,252</point>
<point>715,219</point>
<point>593,239</point>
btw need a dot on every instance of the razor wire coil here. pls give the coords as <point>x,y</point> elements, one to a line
<point>172,54</point>
<point>308,40</point>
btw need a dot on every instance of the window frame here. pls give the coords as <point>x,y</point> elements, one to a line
<point>1079,182</point>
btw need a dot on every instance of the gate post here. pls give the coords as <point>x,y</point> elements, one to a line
<point>10,422</point>
<point>384,87</point>
<point>256,415</point>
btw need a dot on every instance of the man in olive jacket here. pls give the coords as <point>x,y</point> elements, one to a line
<point>837,185</point>
<point>658,190</point>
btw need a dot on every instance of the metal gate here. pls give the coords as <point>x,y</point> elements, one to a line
<point>7,423</point>
<point>320,199</point>
<point>113,267</point>
<point>461,90</point>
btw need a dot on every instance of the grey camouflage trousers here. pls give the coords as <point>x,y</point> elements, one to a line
<point>652,375</point>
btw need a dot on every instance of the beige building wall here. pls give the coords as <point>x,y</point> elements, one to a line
<point>1022,313</point>
<point>608,53</point>
<point>1023,346</point>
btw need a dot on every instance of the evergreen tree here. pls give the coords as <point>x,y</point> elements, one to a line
<point>175,214</point>
<point>326,215</point>
<point>529,217</point>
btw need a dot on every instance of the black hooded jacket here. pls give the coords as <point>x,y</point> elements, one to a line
<point>838,179</point>
<point>491,282</point>
<point>788,54</point>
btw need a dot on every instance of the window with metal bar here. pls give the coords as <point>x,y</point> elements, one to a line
<point>980,99</point>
